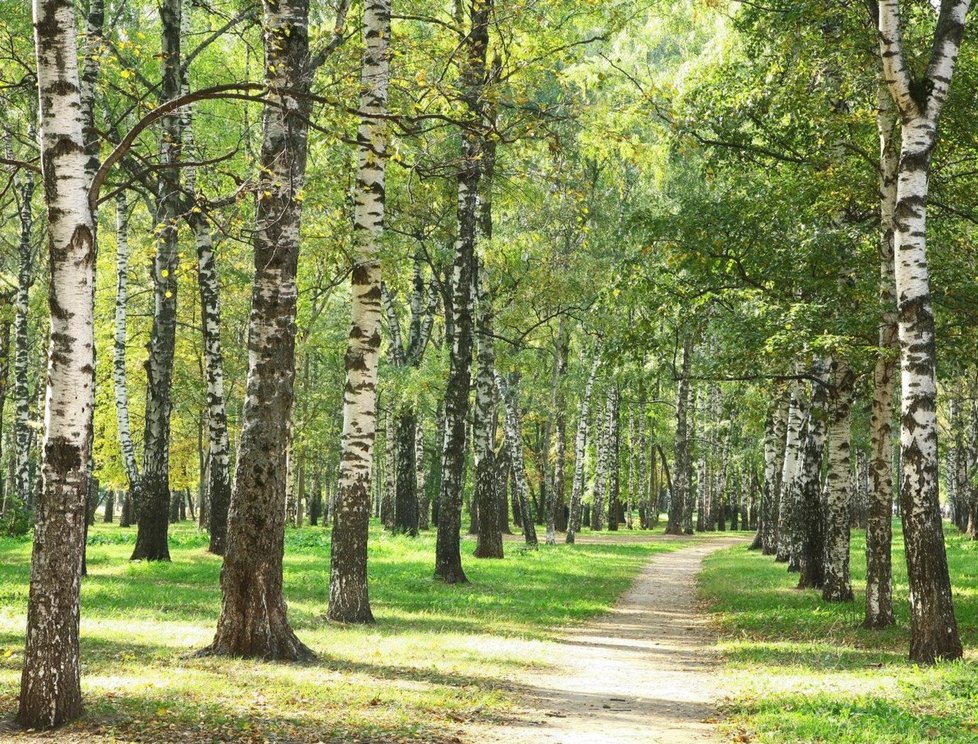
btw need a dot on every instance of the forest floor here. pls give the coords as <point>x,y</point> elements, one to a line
<point>441,663</point>
<point>798,669</point>
<point>644,672</point>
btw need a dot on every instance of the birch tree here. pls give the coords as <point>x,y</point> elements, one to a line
<point>508,393</point>
<point>580,450</point>
<point>448,561</point>
<point>348,598</point>
<point>154,492</point>
<point>119,345</point>
<point>50,692</point>
<point>253,621</point>
<point>919,101</point>
<point>490,539</point>
<point>838,483</point>
<point>879,572</point>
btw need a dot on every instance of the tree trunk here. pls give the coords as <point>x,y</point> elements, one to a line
<point>790,471</point>
<point>23,485</point>
<point>50,692</point>
<point>934,632</point>
<point>348,597</point>
<point>120,343</point>
<point>253,620</point>
<point>774,449</point>
<point>879,571</point>
<point>810,517</point>
<point>406,490</point>
<point>448,560</point>
<point>838,496</point>
<point>614,481</point>
<point>683,455</point>
<point>154,491</point>
<point>424,505</point>
<point>514,440</point>
<point>490,540</point>
<point>218,486</point>
<point>600,470</point>
<point>389,472</point>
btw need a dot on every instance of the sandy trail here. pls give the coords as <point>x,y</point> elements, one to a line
<point>645,672</point>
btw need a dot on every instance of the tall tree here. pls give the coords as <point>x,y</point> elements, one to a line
<point>879,572</point>
<point>486,497</point>
<point>253,620</point>
<point>920,100</point>
<point>448,561</point>
<point>120,343</point>
<point>838,483</point>
<point>580,450</point>
<point>684,456</point>
<point>154,492</point>
<point>50,692</point>
<point>348,597</point>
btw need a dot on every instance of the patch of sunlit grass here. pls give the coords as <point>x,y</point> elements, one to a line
<point>438,657</point>
<point>803,670</point>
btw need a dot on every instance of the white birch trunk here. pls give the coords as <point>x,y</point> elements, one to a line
<point>120,342</point>
<point>514,440</point>
<point>50,691</point>
<point>348,599</point>
<point>934,633</point>
<point>580,452</point>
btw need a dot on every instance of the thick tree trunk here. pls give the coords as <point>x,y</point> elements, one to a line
<point>388,471</point>
<point>838,484</point>
<point>154,490</point>
<point>509,395</point>
<point>253,620</point>
<point>50,692</point>
<point>348,598</point>
<point>406,492</point>
<point>683,455</point>
<point>424,503</point>
<point>933,632</point>
<point>774,449</point>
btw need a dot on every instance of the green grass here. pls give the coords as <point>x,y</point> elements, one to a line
<point>803,670</point>
<point>440,657</point>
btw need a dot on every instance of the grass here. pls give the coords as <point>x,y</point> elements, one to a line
<point>803,670</point>
<point>440,657</point>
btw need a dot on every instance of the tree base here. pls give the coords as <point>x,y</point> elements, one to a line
<point>879,622</point>
<point>943,647</point>
<point>451,575</point>
<point>286,648</point>
<point>837,593</point>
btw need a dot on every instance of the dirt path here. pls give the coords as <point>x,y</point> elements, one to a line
<point>645,672</point>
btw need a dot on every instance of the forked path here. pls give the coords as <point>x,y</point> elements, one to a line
<point>645,672</point>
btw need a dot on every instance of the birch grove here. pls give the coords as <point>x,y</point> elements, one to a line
<point>457,294</point>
